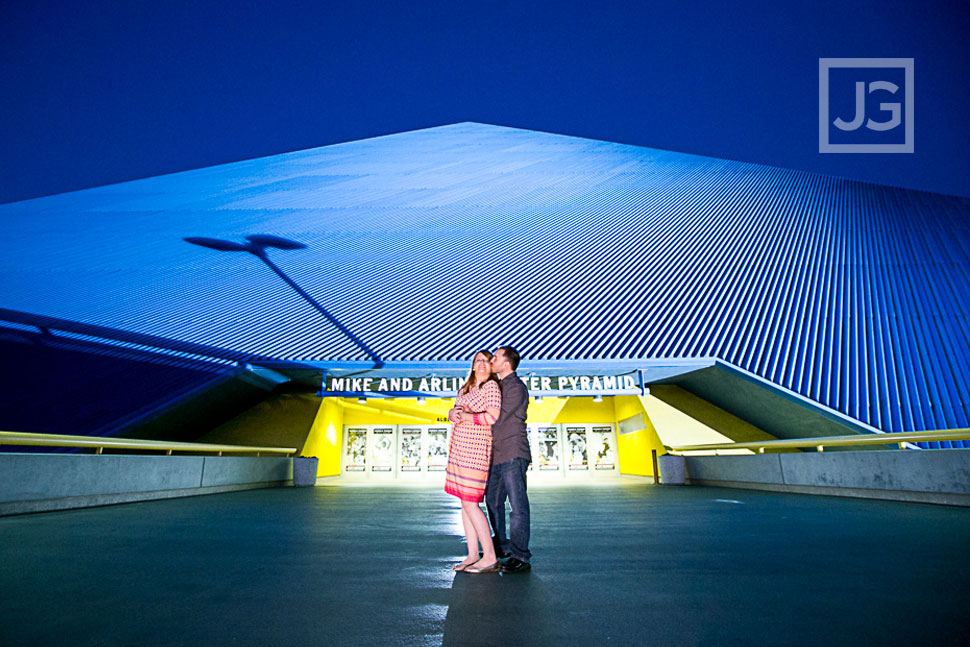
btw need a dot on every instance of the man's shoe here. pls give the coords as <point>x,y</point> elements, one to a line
<point>515,565</point>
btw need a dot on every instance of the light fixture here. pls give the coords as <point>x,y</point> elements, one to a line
<point>361,399</point>
<point>597,398</point>
<point>421,400</point>
<point>538,398</point>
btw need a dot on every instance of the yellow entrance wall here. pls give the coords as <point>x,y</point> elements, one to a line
<point>326,437</point>
<point>571,411</point>
<point>325,440</point>
<point>633,449</point>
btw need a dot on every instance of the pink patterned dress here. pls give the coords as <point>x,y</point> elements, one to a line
<point>470,449</point>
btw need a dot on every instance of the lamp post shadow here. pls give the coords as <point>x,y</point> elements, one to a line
<point>257,245</point>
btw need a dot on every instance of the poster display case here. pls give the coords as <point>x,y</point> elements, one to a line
<point>546,448</point>
<point>576,443</point>
<point>382,450</point>
<point>355,449</point>
<point>437,448</point>
<point>410,449</point>
<point>602,448</point>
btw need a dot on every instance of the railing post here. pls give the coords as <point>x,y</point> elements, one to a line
<point>656,468</point>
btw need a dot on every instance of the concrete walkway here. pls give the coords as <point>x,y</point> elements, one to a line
<point>630,564</point>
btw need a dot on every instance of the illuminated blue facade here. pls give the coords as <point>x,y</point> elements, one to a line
<point>430,244</point>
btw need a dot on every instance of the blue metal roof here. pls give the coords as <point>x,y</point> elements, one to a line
<point>429,244</point>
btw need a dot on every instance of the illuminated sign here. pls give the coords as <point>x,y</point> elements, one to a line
<point>537,384</point>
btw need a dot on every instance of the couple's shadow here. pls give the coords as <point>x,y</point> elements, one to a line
<point>490,609</point>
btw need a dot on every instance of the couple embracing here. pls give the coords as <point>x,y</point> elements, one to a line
<point>487,458</point>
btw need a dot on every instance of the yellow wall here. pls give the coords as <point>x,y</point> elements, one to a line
<point>326,437</point>
<point>683,418</point>
<point>325,440</point>
<point>571,410</point>
<point>677,428</point>
<point>390,412</point>
<point>634,449</point>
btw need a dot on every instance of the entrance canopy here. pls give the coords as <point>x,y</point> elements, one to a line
<point>543,377</point>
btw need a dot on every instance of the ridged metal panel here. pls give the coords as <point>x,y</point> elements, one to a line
<point>433,243</point>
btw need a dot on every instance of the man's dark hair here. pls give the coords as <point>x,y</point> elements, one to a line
<point>512,355</point>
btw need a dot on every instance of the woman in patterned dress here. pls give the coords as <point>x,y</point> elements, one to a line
<point>470,457</point>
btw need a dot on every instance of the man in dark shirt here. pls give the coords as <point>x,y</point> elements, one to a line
<point>510,460</point>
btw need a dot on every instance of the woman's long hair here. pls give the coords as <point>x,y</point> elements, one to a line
<point>470,382</point>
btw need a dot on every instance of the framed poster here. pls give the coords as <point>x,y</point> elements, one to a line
<point>548,448</point>
<point>602,448</point>
<point>437,449</point>
<point>576,442</point>
<point>382,450</point>
<point>410,449</point>
<point>356,460</point>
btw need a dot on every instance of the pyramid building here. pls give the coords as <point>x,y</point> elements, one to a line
<point>794,301</point>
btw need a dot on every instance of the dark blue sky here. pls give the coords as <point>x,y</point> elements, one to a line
<point>99,92</point>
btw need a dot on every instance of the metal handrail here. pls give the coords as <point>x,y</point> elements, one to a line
<point>831,441</point>
<point>60,440</point>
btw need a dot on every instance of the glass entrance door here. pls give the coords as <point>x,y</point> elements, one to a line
<point>602,450</point>
<point>370,452</point>
<point>547,452</point>
<point>573,450</point>
<point>390,452</point>
<point>420,452</point>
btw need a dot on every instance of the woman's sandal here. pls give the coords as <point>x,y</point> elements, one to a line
<point>492,568</point>
<point>461,566</point>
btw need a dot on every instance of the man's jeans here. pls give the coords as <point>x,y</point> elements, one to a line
<point>507,481</point>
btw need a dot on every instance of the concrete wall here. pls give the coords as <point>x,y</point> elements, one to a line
<point>39,482</point>
<point>928,476</point>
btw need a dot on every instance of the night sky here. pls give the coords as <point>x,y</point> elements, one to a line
<point>99,92</point>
